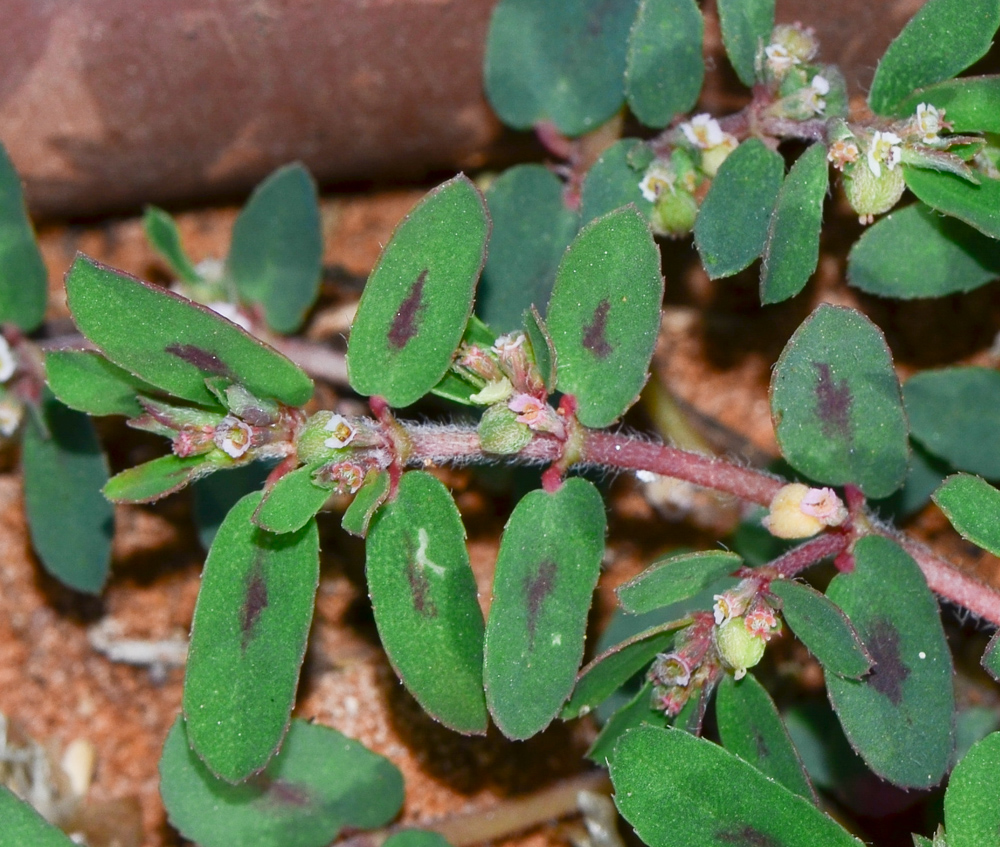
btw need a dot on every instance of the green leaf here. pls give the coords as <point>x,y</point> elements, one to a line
<point>532,227</point>
<point>732,225</point>
<point>823,628</point>
<point>955,414</point>
<point>664,67</point>
<point>214,495</point>
<point>917,252</point>
<point>88,382</point>
<point>318,784</point>
<point>291,502</point>
<point>638,711</point>
<point>972,103</point>
<point>370,496</point>
<point>675,578</point>
<point>616,666</point>
<point>894,612</point>
<point>977,205</point>
<point>542,348</point>
<point>248,638</point>
<point>276,255</point>
<point>676,789</point>
<point>972,505</point>
<point>71,524</point>
<point>417,302</point>
<point>424,596</point>
<point>613,181</point>
<point>791,250</point>
<point>172,343</point>
<point>161,232</point>
<point>151,481</point>
<point>750,727</point>
<point>604,315</point>
<point>991,658</point>
<point>24,281</point>
<point>746,28</point>
<point>836,403</point>
<point>416,838</point>
<point>940,41</point>
<point>971,811</point>
<point>24,827</point>
<point>561,62</point>
<point>547,568</point>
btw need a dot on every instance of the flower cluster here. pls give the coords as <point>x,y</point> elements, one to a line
<point>744,623</point>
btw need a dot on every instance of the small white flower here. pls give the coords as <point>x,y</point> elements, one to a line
<point>507,344</point>
<point>10,416</point>
<point>232,436</point>
<point>343,432</point>
<point>884,147</point>
<point>929,122</point>
<point>703,131</point>
<point>820,85</point>
<point>659,179</point>
<point>779,60</point>
<point>8,364</point>
<point>818,89</point>
<point>211,270</point>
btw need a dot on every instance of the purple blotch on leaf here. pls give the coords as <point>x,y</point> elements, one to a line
<point>203,360</point>
<point>594,334</point>
<point>760,742</point>
<point>747,837</point>
<point>536,589</point>
<point>890,672</point>
<point>404,324</point>
<point>280,793</point>
<point>254,602</point>
<point>833,403</point>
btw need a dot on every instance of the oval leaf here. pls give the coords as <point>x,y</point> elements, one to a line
<point>161,232</point>
<point>558,62</point>
<point>172,343</point>
<point>746,28</point>
<point>248,638</point>
<point>71,524</point>
<point>823,628</point>
<point>150,481</point>
<point>955,414</point>
<point>418,299</point>
<point>319,783</point>
<point>616,666</point>
<point>532,227</point>
<point>791,250</point>
<point>664,69</point>
<point>971,811</point>
<point>750,727</point>
<point>23,826</point>
<point>678,789</point>
<point>972,103</point>
<point>894,612</point>
<point>424,597</point>
<point>370,496</point>
<point>24,281</point>
<point>547,567</point>
<point>836,403</point>
<point>88,382</point>
<point>732,224</point>
<point>916,252</point>
<point>290,503</point>
<point>604,315</point>
<point>971,505</point>
<point>940,41</point>
<point>977,205</point>
<point>675,578</point>
<point>276,256</point>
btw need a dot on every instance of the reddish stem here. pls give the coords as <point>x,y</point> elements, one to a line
<point>618,451</point>
<point>799,558</point>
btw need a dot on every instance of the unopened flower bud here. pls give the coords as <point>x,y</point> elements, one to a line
<point>871,195</point>
<point>500,431</point>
